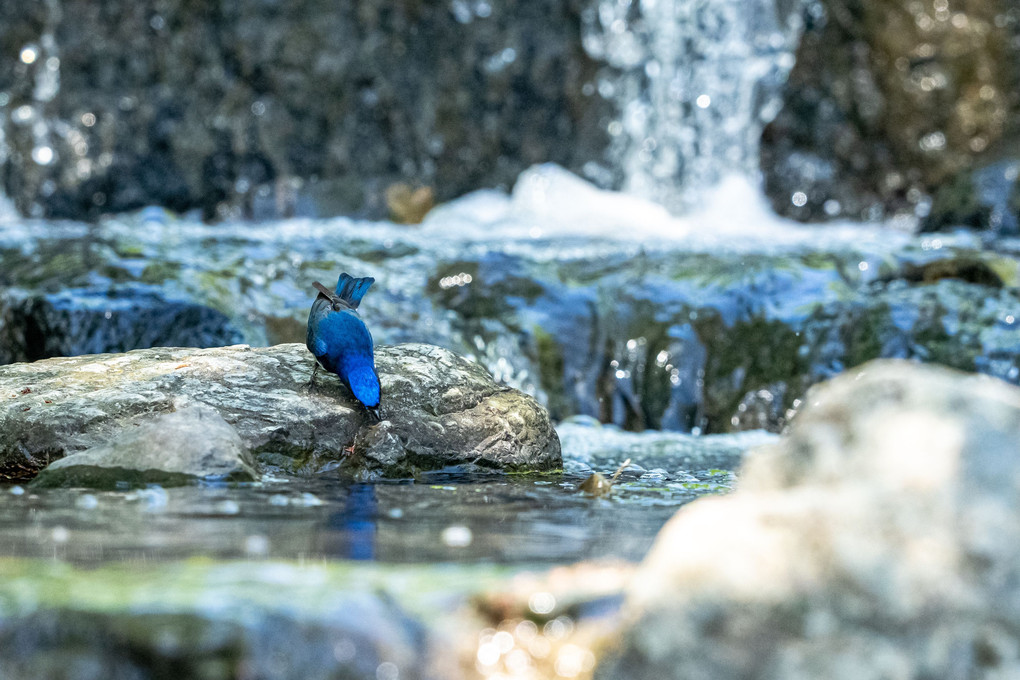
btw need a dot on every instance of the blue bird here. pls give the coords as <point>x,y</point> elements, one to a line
<point>340,341</point>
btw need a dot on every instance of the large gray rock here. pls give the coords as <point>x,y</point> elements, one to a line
<point>260,108</point>
<point>438,409</point>
<point>169,449</point>
<point>880,538</point>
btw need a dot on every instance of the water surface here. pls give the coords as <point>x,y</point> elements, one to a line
<point>444,517</point>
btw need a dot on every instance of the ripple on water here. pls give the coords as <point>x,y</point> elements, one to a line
<point>442,517</point>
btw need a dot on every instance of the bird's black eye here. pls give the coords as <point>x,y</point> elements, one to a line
<point>336,306</point>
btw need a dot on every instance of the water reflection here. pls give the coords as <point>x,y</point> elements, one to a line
<point>356,524</point>
<point>499,520</point>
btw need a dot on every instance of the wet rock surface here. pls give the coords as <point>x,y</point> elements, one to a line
<point>438,409</point>
<point>190,444</point>
<point>263,110</point>
<point>72,322</point>
<point>887,518</point>
<point>668,336</point>
<point>887,102</point>
<point>212,621</point>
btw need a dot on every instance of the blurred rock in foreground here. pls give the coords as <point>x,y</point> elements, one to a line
<point>438,410</point>
<point>203,620</point>
<point>880,538</point>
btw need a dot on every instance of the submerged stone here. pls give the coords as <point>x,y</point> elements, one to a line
<point>438,409</point>
<point>885,519</point>
<point>169,449</point>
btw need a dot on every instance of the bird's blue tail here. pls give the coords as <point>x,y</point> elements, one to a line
<point>351,290</point>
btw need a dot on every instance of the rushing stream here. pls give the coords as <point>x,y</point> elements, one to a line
<point>576,203</point>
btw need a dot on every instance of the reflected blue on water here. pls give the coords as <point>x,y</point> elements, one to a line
<point>509,519</point>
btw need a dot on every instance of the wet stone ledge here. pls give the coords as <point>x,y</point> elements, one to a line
<point>439,410</point>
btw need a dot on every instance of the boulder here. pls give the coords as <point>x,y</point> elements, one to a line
<point>888,101</point>
<point>168,449</point>
<point>438,409</point>
<point>36,325</point>
<point>879,538</point>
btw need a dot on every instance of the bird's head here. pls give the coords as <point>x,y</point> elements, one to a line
<point>365,385</point>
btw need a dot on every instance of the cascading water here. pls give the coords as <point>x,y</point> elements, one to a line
<point>696,81</point>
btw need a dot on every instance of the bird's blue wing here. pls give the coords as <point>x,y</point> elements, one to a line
<point>319,348</point>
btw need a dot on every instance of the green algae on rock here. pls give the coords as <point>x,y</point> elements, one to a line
<point>208,620</point>
<point>672,337</point>
<point>439,409</point>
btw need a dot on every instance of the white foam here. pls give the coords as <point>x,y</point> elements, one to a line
<point>548,202</point>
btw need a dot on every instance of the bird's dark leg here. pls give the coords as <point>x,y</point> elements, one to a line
<point>311,381</point>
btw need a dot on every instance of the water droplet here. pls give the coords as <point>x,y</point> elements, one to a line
<point>935,141</point>
<point>29,53</point>
<point>23,114</point>
<point>488,654</point>
<point>457,536</point>
<point>703,101</point>
<point>387,670</point>
<point>88,119</point>
<point>542,603</point>
<point>43,155</point>
<point>461,11</point>
<point>344,650</point>
<point>799,199</point>
<point>256,545</point>
<point>228,507</point>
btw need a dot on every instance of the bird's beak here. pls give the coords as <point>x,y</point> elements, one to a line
<point>374,412</point>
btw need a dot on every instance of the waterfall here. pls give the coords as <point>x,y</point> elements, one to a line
<point>695,81</point>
